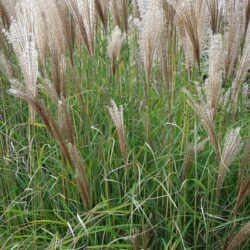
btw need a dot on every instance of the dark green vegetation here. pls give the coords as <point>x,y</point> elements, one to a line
<point>163,196</point>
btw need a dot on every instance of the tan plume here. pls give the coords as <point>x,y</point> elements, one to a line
<point>214,83</point>
<point>232,146</point>
<point>151,28</point>
<point>83,12</point>
<point>192,16</point>
<point>114,46</point>
<point>81,178</point>
<point>243,193</point>
<point>205,114</point>
<point>117,117</point>
<point>120,13</point>
<point>239,237</point>
<point>22,37</point>
<point>241,71</point>
<point>215,11</point>
<point>102,9</point>
<point>233,34</point>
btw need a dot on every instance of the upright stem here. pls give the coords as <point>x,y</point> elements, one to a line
<point>147,118</point>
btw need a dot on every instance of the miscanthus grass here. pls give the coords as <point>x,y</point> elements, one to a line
<point>124,124</point>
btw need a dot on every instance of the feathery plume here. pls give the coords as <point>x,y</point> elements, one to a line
<point>193,16</point>
<point>114,46</point>
<point>120,13</point>
<point>214,82</point>
<point>57,93</point>
<point>83,12</point>
<point>58,73</point>
<point>243,193</point>
<point>186,44</point>
<point>215,10</point>
<point>64,121</point>
<point>244,161</point>
<point>162,45</point>
<point>80,175</point>
<point>7,11</point>
<point>233,35</point>
<point>242,69</point>
<point>4,15</point>
<point>247,14</point>
<point>136,10</point>
<point>239,237</point>
<point>136,239</point>
<point>50,90</point>
<point>151,28</point>
<point>46,116</point>
<point>5,66</point>
<point>143,6</point>
<point>205,114</point>
<point>102,9</point>
<point>232,146</point>
<point>21,35</point>
<point>169,12</point>
<point>48,15</point>
<point>68,27</point>
<point>117,117</point>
